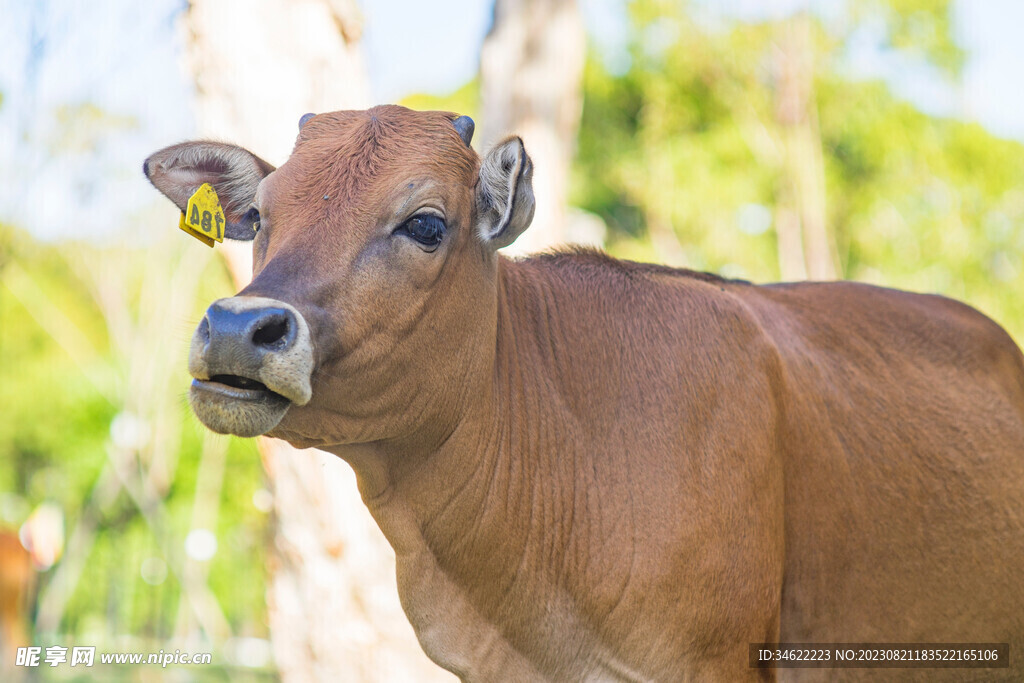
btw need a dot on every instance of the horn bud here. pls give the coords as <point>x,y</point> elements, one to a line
<point>465,127</point>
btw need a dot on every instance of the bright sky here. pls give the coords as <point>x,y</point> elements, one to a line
<point>122,56</point>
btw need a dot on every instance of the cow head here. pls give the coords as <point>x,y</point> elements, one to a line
<point>372,307</point>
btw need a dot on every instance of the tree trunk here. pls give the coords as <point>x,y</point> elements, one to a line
<point>805,248</point>
<point>332,599</point>
<point>531,73</point>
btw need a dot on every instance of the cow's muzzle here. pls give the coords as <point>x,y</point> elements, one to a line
<point>251,359</point>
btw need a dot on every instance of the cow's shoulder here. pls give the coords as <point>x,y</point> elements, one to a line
<point>645,324</point>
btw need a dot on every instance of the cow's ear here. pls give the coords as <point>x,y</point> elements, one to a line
<point>235,173</point>
<point>505,193</point>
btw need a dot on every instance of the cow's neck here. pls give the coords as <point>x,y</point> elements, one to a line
<point>497,495</point>
<point>495,472</point>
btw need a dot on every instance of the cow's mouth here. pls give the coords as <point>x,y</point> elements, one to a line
<point>252,360</point>
<point>238,388</point>
<point>231,404</point>
<point>244,383</point>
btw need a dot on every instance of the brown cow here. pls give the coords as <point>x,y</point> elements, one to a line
<point>592,469</point>
<point>17,583</point>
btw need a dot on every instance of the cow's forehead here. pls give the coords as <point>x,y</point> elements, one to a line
<point>353,153</point>
<point>371,140</point>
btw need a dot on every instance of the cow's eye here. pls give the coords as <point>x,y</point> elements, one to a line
<point>425,228</point>
<point>252,216</point>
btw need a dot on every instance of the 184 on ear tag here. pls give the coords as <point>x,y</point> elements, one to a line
<point>203,218</point>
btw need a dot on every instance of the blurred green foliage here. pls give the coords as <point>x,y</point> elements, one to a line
<point>76,322</point>
<point>686,138</point>
<point>921,27</point>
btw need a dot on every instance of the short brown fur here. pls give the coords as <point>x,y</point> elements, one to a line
<point>595,469</point>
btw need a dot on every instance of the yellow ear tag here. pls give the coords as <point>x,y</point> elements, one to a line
<point>203,218</point>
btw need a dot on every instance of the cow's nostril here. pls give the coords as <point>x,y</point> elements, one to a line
<point>239,333</point>
<point>271,332</point>
<point>204,330</point>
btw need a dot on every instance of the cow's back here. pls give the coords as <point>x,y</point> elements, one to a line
<point>903,440</point>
